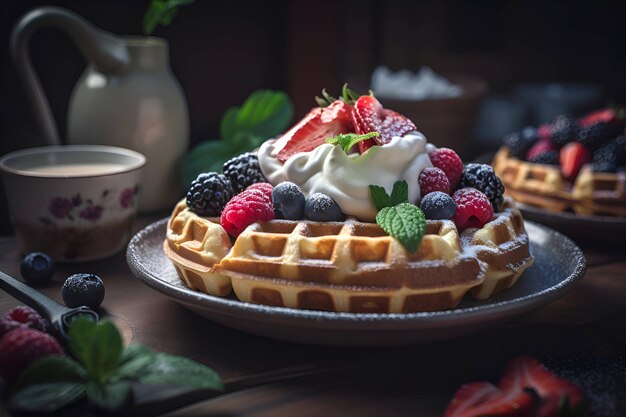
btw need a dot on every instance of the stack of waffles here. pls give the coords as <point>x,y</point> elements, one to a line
<point>348,266</point>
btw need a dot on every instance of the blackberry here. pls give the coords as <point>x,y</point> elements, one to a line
<point>484,179</point>
<point>613,151</point>
<point>604,166</point>
<point>595,134</point>
<point>520,142</point>
<point>209,193</point>
<point>563,130</point>
<point>547,158</point>
<point>243,170</point>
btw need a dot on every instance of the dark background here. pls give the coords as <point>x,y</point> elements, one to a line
<point>222,50</point>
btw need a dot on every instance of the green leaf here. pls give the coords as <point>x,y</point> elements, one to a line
<point>228,124</point>
<point>347,140</point>
<point>181,372</point>
<point>379,197</point>
<point>47,397</point>
<point>266,113</point>
<point>97,345</point>
<point>110,397</point>
<point>206,157</point>
<point>152,16</point>
<point>349,96</point>
<point>400,193</point>
<point>168,16</point>
<point>135,360</point>
<point>49,369</point>
<point>405,222</point>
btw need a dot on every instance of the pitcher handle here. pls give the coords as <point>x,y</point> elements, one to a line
<point>104,50</point>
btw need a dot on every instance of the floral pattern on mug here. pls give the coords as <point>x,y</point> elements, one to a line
<point>60,207</point>
<point>91,213</point>
<point>127,197</point>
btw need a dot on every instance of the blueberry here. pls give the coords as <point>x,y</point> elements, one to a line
<point>322,208</point>
<point>83,290</point>
<point>288,201</point>
<point>438,206</point>
<point>37,268</point>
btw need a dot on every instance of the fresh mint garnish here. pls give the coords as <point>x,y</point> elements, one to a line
<point>265,114</point>
<point>347,140</point>
<point>397,217</point>
<point>103,371</point>
<point>161,12</point>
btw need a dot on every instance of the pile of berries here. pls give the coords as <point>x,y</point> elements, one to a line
<point>597,138</point>
<point>469,196</point>
<point>24,338</point>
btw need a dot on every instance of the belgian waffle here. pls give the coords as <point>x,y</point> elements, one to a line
<point>544,186</point>
<point>350,266</point>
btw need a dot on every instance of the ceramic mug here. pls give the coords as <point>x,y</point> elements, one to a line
<point>75,203</point>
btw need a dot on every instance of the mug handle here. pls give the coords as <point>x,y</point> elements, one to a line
<point>107,52</point>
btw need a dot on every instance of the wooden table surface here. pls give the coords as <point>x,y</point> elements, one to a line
<point>582,336</point>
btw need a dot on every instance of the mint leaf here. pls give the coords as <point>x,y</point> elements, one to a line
<point>228,124</point>
<point>181,372</point>
<point>47,397</point>
<point>110,397</point>
<point>347,140</point>
<point>400,193</point>
<point>54,368</point>
<point>266,113</point>
<point>379,197</point>
<point>135,360</point>
<point>206,157</point>
<point>405,222</point>
<point>97,345</point>
<point>161,12</point>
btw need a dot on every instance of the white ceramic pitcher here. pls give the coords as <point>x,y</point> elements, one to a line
<point>127,97</point>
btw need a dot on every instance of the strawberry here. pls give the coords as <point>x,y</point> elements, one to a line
<point>540,148</point>
<point>603,115</point>
<point>512,396</point>
<point>572,157</point>
<point>313,129</point>
<point>370,116</point>
<point>544,131</point>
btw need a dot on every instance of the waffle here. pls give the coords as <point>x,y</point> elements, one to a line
<point>195,244</point>
<point>593,193</point>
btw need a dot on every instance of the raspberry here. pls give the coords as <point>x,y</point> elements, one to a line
<point>473,209</point>
<point>264,187</point>
<point>484,179</point>
<point>544,132</point>
<point>449,162</point>
<point>243,170</point>
<point>433,179</point>
<point>21,347</point>
<point>209,193</point>
<point>22,316</point>
<point>246,208</point>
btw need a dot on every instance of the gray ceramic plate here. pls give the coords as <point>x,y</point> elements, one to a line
<point>559,263</point>
<point>578,226</point>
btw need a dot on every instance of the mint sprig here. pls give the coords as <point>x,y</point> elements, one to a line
<point>397,217</point>
<point>103,371</point>
<point>264,114</point>
<point>347,140</point>
<point>161,12</point>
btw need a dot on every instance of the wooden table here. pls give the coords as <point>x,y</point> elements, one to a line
<point>582,336</point>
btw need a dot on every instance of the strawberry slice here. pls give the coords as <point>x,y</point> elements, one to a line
<point>512,396</point>
<point>484,399</point>
<point>313,129</point>
<point>527,372</point>
<point>370,116</point>
<point>603,115</point>
<point>572,157</point>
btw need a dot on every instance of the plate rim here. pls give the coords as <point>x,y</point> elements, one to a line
<point>438,319</point>
<point>605,220</point>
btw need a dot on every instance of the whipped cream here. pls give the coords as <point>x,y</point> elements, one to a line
<point>346,178</point>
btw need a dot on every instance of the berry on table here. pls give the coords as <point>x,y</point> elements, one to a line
<point>37,268</point>
<point>243,170</point>
<point>483,178</point>
<point>22,316</point>
<point>473,209</point>
<point>438,206</point>
<point>209,193</point>
<point>288,201</point>
<point>21,347</point>
<point>83,290</point>
<point>433,179</point>
<point>322,208</point>
<point>563,130</point>
<point>247,207</point>
<point>449,162</point>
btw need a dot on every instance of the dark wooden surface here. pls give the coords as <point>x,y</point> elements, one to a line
<point>581,335</point>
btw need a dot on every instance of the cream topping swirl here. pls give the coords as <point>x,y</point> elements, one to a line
<point>346,178</point>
